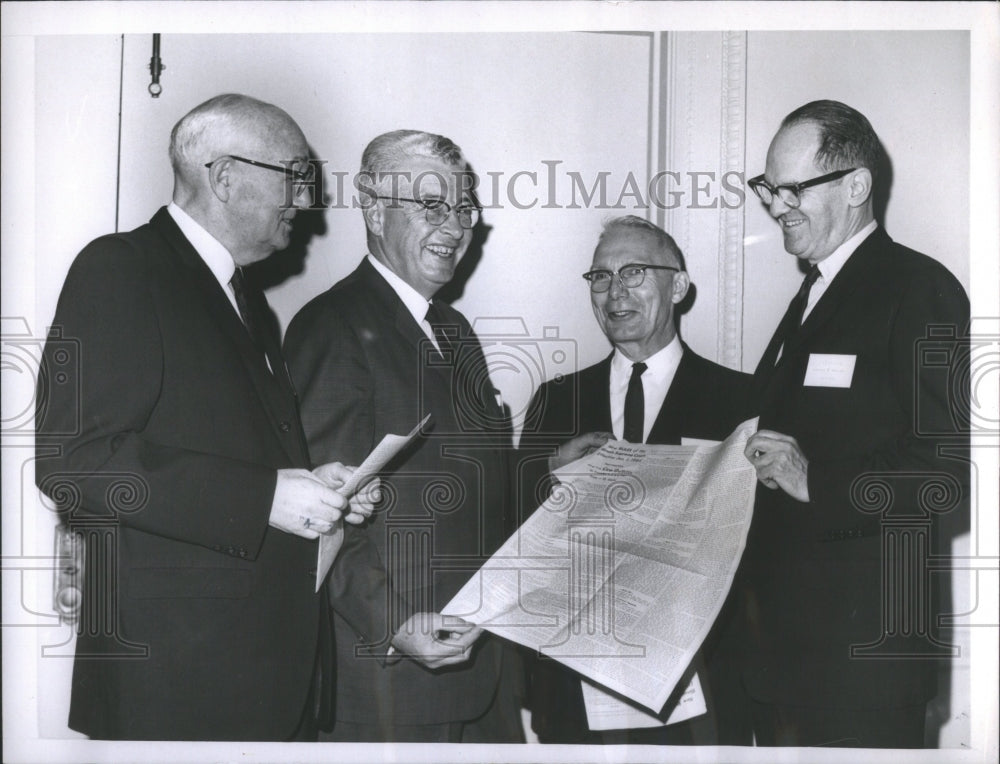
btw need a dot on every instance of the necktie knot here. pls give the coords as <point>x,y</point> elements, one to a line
<point>238,283</point>
<point>638,369</point>
<point>443,328</point>
<point>811,275</point>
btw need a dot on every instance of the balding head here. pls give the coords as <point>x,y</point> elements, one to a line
<point>229,157</point>
<point>227,124</point>
<point>638,319</point>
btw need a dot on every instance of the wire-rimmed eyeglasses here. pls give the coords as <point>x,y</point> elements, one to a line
<point>630,276</point>
<point>300,176</point>
<point>789,193</point>
<point>436,211</point>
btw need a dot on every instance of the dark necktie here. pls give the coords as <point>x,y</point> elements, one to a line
<point>443,328</point>
<point>238,283</point>
<point>791,321</point>
<point>798,304</point>
<point>635,405</point>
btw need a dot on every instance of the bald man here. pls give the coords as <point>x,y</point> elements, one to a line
<point>178,455</point>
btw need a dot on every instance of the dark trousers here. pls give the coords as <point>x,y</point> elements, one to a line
<point>838,727</point>
<point>500,723</point>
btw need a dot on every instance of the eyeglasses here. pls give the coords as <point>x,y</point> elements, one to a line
<point>436,211</point>
<point>630,276</point>
<point>301,176</point>
<point>789,193</point>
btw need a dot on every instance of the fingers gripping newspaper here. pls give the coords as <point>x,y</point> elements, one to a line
<point>621,572</point>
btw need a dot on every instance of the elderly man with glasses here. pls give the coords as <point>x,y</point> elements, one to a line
<point>373,355</point>
<point>654,389</point>
<point>176,452</point>
<point>861,455</point>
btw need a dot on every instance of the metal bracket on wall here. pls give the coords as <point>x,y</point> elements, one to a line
<point>155,67</point>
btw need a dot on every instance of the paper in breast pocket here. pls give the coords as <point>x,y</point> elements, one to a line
<point>830,370</point>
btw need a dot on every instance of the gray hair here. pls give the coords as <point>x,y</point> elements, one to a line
<point>388,154</point>
<point>634,223</point>
<point>207,131</point>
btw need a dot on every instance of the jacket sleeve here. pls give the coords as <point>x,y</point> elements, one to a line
<point>93,455</point>
<point>335,383</point>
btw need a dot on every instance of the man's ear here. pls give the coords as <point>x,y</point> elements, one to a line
<point>374,214</point>
<point>860,188</point>
<point>220,178</point>
<point>682,283</point>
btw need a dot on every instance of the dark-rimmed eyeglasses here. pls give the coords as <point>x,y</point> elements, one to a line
<point>789,193</point>
<point>630,276</point>
<point>436,211</point>
<point>301,176</point>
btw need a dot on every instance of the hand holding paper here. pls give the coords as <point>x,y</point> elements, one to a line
<point>780,463</point>
<point>383,453</point>
<point>435,640</point>
<point>341,479</point>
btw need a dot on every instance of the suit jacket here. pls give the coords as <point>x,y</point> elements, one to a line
<point>837,613</point>
<point>364,368</point>
<point>704,401</point>
<point>160,430</point>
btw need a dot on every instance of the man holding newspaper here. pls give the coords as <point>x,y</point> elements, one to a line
<point>651,389</point>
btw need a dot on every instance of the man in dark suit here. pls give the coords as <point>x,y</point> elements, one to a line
<point>374,355</point>
<point>651,389</point>
<point>856,411</point>
<point>178,454</point>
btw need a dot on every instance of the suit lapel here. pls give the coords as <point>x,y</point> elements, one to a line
<point>595,397</point>
<point>275,391</point>
<point>851,275</point>
<point>833,299</point>
<point>402,320</point>
<point>666,429</point>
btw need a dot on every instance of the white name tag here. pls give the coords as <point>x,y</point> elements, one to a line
<point>830,370</point>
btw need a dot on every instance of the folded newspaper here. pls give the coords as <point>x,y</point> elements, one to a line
<point>622,571</point>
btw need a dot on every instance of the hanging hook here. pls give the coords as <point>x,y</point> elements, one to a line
<point>155,67</point>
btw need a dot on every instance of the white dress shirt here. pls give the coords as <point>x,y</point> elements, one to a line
<point>209,249</point>
<point>830,266</point>
<point>660,370</point>
<point>412,299</point>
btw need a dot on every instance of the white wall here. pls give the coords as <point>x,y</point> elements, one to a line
<point>506,100</point>
<point>503,98</point>
<point>914,89</point>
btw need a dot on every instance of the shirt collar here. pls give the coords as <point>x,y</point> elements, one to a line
<point>412,299</point>
<point>216,256</point>
<point>830,266</point>
<point>661,364</point>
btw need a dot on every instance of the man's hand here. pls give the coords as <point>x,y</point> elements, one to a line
<point>362,503</point>
<point>304,505</point>
<point>577,448</point>
<point>435,640</point>
<point>779,462</point>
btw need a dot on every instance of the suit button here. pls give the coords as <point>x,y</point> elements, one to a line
<point>243,553</point>
<point>285,427</point>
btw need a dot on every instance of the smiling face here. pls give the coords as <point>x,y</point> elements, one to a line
<point>638,321</point>
<point>826,216</point>
<point>422,254</point>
